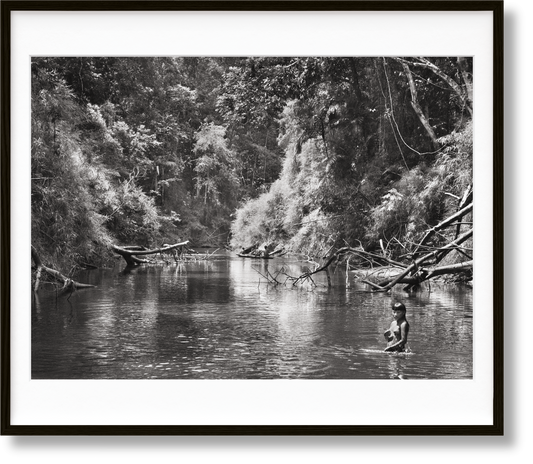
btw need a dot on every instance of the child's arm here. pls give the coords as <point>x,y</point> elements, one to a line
<point>404,328</point>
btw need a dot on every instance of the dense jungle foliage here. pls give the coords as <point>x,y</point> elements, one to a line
<point>309,152</point>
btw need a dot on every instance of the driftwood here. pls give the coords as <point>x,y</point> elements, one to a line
<point>68,284</point>
<point>130,253</point>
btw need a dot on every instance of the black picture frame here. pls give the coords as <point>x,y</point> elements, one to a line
<point>7,255</point>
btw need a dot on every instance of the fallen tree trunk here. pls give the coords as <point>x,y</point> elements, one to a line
<point>278,251</point>
<point>411,274</point>
<point>414,267</point>
<point>68,284</point>
<point>130,253</point>
<point>422,275</point>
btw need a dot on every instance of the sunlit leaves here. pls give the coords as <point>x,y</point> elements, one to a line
<point>214,165</point>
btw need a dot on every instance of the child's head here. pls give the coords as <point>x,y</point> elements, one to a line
<point>399,308</point>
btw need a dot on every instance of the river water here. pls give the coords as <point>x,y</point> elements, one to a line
<point>220,319</point>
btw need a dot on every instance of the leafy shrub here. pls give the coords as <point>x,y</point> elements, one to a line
<point>425,196</point>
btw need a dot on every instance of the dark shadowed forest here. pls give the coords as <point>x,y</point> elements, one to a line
<point>310,154</point>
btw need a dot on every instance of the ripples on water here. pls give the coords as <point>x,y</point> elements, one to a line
<point>221,320</point>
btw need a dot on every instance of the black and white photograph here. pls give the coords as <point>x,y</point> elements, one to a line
<point>252,217</point>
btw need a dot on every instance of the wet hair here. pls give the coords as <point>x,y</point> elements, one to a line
<point>399,307</point>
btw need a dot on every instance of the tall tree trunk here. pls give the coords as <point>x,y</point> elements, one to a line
<point>467,80</point>
<point>464,95</point>
<point>418,110</point>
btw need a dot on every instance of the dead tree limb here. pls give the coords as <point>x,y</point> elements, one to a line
<point>308,274</point>
<point>449,221</point>
<point>68,284</point>
<point>467,198</point>
<point>412,275</point>
<point>335,256</point>
<point>383,259</point>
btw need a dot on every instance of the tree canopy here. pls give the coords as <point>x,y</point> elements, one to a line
<point>310,152</point>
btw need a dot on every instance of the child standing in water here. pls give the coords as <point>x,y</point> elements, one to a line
<point>398,330</point>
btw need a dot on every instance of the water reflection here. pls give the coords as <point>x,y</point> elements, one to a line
<point>219,319</point>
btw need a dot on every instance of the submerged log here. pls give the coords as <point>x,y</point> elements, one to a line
<point>251,255</point>
<point>422,275</point>
<point>68,284</point>
<point>130,253</point>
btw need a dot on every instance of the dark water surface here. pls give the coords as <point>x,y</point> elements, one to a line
<point>219,319</point>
